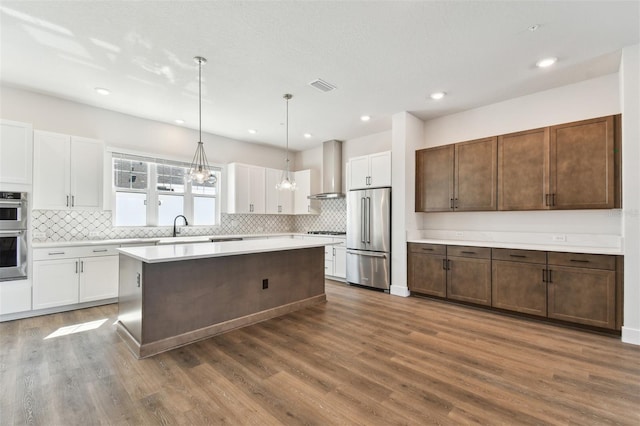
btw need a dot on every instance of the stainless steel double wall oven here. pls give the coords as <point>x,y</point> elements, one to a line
<point>13,236</point>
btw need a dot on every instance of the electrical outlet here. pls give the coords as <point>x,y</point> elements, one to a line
<point>459,234</point>
<point>94,233</point>
<point>234,223</point>
<point>265,283</point>
<point>559,238</point>
<point>40,235</point>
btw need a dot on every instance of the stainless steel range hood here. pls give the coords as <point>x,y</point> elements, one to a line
<point>331,171</point>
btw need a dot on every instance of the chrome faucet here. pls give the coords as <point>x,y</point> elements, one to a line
<point>174,223</point>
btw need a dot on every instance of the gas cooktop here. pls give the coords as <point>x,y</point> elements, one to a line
<point>327,232</point>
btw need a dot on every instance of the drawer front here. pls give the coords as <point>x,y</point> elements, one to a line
<point>466,251</point>
<point>526,256</point>
<point>436,249</point>
<point>580,260</point>
<point>71,252</point>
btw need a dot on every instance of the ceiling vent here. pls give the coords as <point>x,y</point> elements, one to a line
<point>322,85</point>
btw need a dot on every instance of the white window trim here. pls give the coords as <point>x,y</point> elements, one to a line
<point>152,191</point>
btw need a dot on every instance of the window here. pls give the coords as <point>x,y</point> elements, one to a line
<point>152,192</point>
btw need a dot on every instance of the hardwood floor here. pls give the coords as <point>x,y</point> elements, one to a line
<point>362,358</point>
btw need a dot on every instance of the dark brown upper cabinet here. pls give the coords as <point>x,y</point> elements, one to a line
<point>458,177</point>
<point>581,163</point>
<point>523,170</point>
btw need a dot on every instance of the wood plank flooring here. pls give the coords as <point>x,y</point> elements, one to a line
<point>362,358</point>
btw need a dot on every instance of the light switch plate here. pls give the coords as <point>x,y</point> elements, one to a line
<point>40,235</point>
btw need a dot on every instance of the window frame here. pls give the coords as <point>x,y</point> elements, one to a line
<point>153,193</point>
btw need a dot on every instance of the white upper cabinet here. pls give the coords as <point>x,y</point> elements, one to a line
<point>16,147</point>
<point>245,188</point>
<point>305,186</point>
<point>67,172</point>
<point>277,202</point>
<point>370,171</point>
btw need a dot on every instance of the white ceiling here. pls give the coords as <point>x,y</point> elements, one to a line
<point>384,57</point>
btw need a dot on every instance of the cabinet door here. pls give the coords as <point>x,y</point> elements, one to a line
<point>582,164</point>
<point>380,169</point>
<point>98,278</point>
<point>304,188</point>
<point>427,274</point>
<point>434,179</point>
<point>340,262</point>
<point>359,169</point>
<point>272,202</point>
<point>16,147</point>
<point>238,188</point>
<point>519,287</point>
<point>256,189</point>
<point>51,162</point>
<point>523,170</point>
<point>469,280</point>
<point>55,283</point>
<point>86,173</point>
<point>581,295</point>
<point>476,175</point>
<point>285,201</point>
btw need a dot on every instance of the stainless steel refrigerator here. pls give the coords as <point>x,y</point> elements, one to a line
<point>369,237</point>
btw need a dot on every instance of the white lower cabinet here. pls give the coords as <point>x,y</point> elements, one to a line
<point>71,275</point>
<point>15,296</point>
<point>335,257</point>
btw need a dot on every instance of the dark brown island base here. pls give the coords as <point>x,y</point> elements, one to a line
<point>174,295</point>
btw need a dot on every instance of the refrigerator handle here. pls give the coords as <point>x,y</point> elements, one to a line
<point>362,222</point>
<point>369,220</point>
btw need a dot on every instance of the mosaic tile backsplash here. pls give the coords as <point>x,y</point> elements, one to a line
<point>64,225</point>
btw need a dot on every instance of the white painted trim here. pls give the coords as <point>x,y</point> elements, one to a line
<point>631,335</point>
<point>398,290</point>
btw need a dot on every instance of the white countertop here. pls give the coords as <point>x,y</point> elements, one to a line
<point>522,246</point>
<point>154,240</point>
<point>178,252</point>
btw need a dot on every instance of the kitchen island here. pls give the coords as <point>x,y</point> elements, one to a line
<point>173,295</point>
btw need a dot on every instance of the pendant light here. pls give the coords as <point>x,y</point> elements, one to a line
<point>200,171</point>
<point>287,183</point>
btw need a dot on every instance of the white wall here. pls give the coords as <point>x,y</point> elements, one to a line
<point>129,132</point>
<point>587,99</point>
<point>630,103</point>
<point>408,134</point>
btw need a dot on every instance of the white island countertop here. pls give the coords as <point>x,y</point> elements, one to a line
<point>178,252</point>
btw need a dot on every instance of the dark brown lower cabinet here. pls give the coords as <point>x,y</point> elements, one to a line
<point>426,269</point>
<point>469,274</point>
<point>572,287</point>
<point>582,295</point>
<point>519,281</point>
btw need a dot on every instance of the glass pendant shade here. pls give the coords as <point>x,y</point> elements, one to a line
<point>287,183</point>
<point>200,171</point>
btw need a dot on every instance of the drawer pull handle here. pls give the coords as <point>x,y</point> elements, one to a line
<point>521,256</point>
<point>468,252</point>
<point>99,250</point>
<point>426,248</point>
<point>579,261</point>
<point>52,253</point>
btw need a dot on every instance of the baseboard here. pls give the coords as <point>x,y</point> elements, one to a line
<point>630,335</point>
<point>401,291</point>
<point>56,309</point>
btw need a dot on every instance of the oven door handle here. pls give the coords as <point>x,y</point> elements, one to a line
<point>12,233</point>
<point>11,203</point>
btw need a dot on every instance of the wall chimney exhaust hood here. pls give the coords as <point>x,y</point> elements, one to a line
<point>331,171</point>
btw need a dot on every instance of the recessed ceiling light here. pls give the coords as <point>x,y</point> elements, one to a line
<point>252,131</point>
<point>533,27</point>
<point>179,121</point>
<point>437,95</point>
<point>365,118</point>
<point>102,91</point>
<point>546,62</point>
<point>307,135</point>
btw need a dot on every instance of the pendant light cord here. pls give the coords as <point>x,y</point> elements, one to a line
<point>200,99</point>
